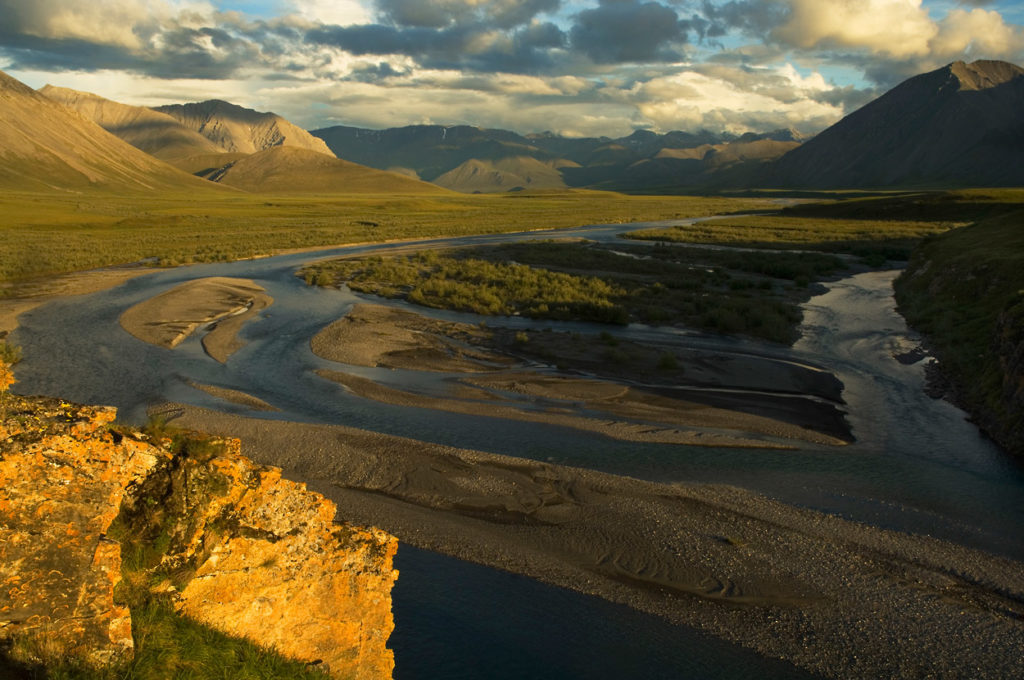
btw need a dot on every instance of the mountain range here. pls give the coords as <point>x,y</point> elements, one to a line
<point>45,146</point>
<point>444,154</point>
<point>959,125</point>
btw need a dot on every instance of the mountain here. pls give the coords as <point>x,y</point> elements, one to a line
<point>155,133</point>
<point>508,174</point>
<point>960,125</point>
<point>283,169</point>
<point>428,150</point>
<point>464,157</point>
<point>45,146</point>
<point>234,128</point>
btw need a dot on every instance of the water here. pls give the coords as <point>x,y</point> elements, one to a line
<point>917,464</point>
<point>439,599</point>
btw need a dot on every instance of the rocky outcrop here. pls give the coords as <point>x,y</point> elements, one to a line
<point>63,477</point>
<point>237,547</point>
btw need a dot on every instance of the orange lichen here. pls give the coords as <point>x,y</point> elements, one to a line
<point>264,558</point>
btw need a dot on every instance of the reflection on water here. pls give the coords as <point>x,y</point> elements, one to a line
<point>917,465</point>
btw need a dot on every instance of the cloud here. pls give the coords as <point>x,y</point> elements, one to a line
<point>619,31</point>
<point>477,47</point>
<point>332,12</point>
<point>502,14</point>
<point>898,28</point>
<point>106,23</point>
<point>979,32</point>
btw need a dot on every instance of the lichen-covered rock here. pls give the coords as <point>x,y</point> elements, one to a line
<point>245,551</point>
<point>63,476</point>
<point>266,561</point>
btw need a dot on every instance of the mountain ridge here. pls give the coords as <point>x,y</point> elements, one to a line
<point>158,134</point>
<point>46,146</point>
<point>235,128</point>
<point>958,125</point>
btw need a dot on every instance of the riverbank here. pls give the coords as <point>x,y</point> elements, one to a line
<point>26,296</point>
<point>836,597</point>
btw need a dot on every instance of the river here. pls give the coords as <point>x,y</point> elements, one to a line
<point>917,464</point>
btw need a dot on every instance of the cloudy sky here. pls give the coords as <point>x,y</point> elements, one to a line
<point>579,67</point>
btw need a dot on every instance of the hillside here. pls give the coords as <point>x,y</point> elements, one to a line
<point>428,150</point>
<point>508,174</point>
<point>959,125</point>
<point>155,133</point>
<point>45,146</point>
<point>281,169</point>
<point>237,129</point>
<point>965,291</point>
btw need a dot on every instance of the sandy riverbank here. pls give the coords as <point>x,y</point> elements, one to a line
<point>28,295</point>
<point>167,319</point>
<point>692,425</point>
<point>376,335</point>
<point>833,596</point>
<point>497,384</point>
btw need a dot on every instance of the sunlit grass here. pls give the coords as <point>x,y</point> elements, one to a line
<point>750,294</point>
<point>47,234</point>
<point>866,238</point>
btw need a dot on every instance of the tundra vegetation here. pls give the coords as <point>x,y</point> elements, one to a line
<point>45,234</point>
<point>965,291</point>
<point>720,291</point>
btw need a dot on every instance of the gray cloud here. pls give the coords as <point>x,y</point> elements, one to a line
<point>753,17</point>
<point>94,37</point>
<point>473,46</point>
<point>502,14</point>
<point>618,31</point>
<point>849,98</point>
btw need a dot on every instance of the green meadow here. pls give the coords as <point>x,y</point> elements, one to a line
<point>45,234</point>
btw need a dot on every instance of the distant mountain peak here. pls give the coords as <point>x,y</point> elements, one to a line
<point>236,128</point>
<point>984,73</point>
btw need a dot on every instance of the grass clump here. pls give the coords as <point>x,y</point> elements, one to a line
<point>481,286</point>
<point>873,241</point>
<point>709,290</point>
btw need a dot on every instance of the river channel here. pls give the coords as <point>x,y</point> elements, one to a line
<point>917,465</point>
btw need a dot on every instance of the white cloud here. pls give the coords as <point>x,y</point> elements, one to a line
<point>332,12</point>
<point>979,32</point>
<point>897,28</point>
<point>769,97</point>
<point>122,23</point>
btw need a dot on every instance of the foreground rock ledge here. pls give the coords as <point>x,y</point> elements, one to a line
<point>254,555</point>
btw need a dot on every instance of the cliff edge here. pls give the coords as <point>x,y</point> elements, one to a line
<point>225,542</point>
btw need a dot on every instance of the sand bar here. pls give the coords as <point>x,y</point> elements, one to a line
<point>696,432</point>
<point>167,319</point>
<point>380,336</point>
<point>235,397</point>
<point>375,335</point>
